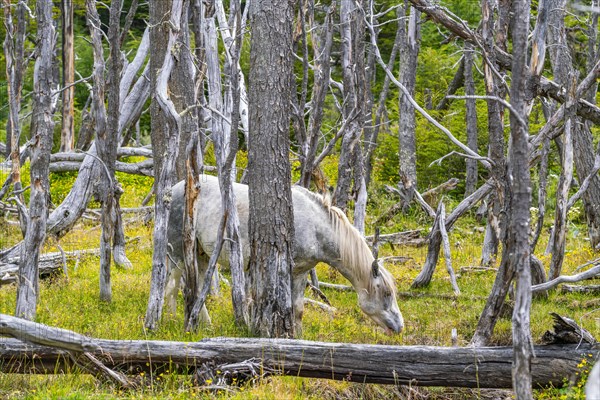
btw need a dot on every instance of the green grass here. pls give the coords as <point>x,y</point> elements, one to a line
<point>72,303</point>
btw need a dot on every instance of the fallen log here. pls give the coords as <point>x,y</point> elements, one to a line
<point>49,264</point>
<point>591,273</point>
<point>407,238</point>
<point>483,367</point>
<point>589,289</point>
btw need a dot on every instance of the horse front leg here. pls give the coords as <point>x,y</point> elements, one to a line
<point>298,287</point>
<point>172,288</point>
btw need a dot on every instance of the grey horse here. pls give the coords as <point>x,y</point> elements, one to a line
<point>322,234</point>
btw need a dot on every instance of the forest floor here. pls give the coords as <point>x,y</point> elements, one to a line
<point>430,314</point>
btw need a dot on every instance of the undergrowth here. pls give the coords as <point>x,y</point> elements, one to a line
<point>430,314</point>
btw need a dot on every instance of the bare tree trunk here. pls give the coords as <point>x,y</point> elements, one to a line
<point>14,49</point>
<point>471,119</point>
<point>493,34</point>
<point>379,113</point>
<point>409,52</point>
<point>352,32</point>
<point>166,125</point>
<point>559,234</point>
<point>511,189</point>
<point>102,147</point>
<point>517,244</point>
<point>562,64</point>
<point>271,215</point>
<point>322,72</point>
<point>42,129</point>
<point>68,60</point>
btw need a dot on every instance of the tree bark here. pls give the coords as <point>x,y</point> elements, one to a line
<point>42,130</point>
<point>14,54</point>
<point>471,120</point>
<point>492,33</point>
<point>322,72</point>
<point>559,233</point>
<point>67,136</point>
<point>271,222</point>
<point>353,72</point>
<point>166,127</point>
<point>487,367</point>
<point>517,243</point>
<point>407,152</point>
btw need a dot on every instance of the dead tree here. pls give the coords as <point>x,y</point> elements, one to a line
<point>66,214</point>
<point>558,238</point>
<point>67,135</point>
<point>494,34</point>
<point>107,131</point>
<point>322,70</point>
<point>14,54</point>
<point>271,216</point>
<point>471,120</point>
<point>409,52</point>
<point>516,247</point>
<point>225,120</point>
<point>516,193</point>
<point>350,166</point>
<point>371,141</point>
<point>563,68</point>
<point>42,130</point>
<point>166,126</point>
<point>45,350</point>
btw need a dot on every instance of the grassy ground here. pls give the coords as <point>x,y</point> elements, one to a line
<point>72,302</point>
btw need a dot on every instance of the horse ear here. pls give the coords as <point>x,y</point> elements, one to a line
<point>375,268</point>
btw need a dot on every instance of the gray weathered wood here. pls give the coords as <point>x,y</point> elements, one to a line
<point>446,246</point>
<point>471,119</point>
<point>590,273</point>
<point>166,127</point>
<point>407,238</point>
<point>42,127</point>
<point>410,44</point>
<point>48,264</point>
<point>516,243</point>
<point>485,367</point>
<point>589,289</point>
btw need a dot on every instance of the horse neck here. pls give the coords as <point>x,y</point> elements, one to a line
<point>356,268</point>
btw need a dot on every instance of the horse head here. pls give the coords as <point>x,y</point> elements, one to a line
<point>378,300</point>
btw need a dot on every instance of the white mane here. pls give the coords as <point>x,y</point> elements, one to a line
<point>354,251</point>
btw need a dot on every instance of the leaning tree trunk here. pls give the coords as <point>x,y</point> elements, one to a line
<point>409,52</point>
<point>271,215</point>
<point>68,61</point>
<point>42,130</point>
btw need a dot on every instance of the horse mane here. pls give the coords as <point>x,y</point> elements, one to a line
<point>354,251</point>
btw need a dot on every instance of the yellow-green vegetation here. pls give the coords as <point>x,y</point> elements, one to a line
<point>72,303</point>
